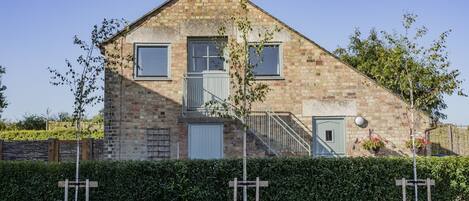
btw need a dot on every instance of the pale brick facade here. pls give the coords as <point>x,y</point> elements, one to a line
<point>314,83</point>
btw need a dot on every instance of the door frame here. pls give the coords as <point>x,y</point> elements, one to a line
<point>222,146</point>
<point>344,120</point>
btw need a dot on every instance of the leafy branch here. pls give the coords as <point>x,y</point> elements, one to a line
<point>392,58</point>
<point>245,90</point>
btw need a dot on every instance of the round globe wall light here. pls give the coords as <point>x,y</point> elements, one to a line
<point>361,122</point>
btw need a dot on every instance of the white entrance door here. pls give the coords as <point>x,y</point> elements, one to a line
<point>205,141</point>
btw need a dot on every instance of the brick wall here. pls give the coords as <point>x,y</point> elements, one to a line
<point>311,76</point>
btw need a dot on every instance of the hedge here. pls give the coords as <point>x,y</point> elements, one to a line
<point>302,179</point>
<point>61,134</point>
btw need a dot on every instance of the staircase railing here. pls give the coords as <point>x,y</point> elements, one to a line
<point>222,101</point>
<point>278,134</point>
<point>280,138</point>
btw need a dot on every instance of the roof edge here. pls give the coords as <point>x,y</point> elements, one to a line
<point>137,22</point>
<point>336,57</point>
<point>140,20</point>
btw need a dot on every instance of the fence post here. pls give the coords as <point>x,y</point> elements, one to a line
<point>429,190</point>
<point>87,190</point>
<point>1,150</point>
<point>450,138</point>
<point>257,188</point>
<point>87,149</point>
<point>53,150</point>
<point>404,187</point>
<point>66,190</point>
<point>428,147</point>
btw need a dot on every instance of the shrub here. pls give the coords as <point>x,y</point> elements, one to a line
<point>357,179</point>
<point>61,134</point>
<point>32,122</point>
<point>6,125</point>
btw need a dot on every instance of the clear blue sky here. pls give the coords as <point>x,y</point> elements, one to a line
<point>37,34</point>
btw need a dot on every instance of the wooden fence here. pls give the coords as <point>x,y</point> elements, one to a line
<point>51,150</point>
<point>450,140</point>
<point>52,125</point>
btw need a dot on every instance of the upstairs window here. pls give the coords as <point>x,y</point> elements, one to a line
<point>268,62</point>
<point>152,61</point>
<point>205,55</point>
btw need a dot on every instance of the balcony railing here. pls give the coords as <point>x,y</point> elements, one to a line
<point>198,89</point>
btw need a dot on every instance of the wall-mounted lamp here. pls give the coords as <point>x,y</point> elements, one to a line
<point>361,122</point>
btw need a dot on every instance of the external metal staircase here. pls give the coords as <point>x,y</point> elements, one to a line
<point>282,133</point>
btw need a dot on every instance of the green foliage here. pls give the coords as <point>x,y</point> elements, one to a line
<point>32,122</point>
<point>61,134</point>
<point>84,77</point>
<point>64,116</point>
<point>322,179</point>
<point>3,101</point>
<point>420,74</point>
<point>420,143</point>
<point>99,118</point>
<point>7,125</point>
<point>372,144</point>
<point>245,90</point>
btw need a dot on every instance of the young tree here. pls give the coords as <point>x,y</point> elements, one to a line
<point>420,74</point>
<point>246,91</point>
<point>84,78</point>
<point>3,101</point>
<point>387,58</point>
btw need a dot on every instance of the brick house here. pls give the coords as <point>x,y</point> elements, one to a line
<point>154,102</point>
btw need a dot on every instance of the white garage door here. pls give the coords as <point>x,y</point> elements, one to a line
<point>205,141</point>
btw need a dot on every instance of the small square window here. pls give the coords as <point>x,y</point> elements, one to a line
<point>267,63</point>
<point>329,137</point>
<point>152,60</point>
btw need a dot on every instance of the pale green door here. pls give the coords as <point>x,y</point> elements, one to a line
<point>329,137</point>
<point>205,141</point>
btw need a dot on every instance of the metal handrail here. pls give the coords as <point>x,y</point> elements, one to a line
<point>283,138</point>
<point>298,121</point>
<point>242,121</point>
<point>278,120</point>
<point>292,132</point>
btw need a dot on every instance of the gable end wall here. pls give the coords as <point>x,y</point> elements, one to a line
<point>315,84</point>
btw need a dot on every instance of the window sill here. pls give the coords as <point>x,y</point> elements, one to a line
<point>269,78</point>
<point>152,79</point>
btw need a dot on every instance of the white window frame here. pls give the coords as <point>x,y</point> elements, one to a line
<point>280,62</point>
<point>135,73</point>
